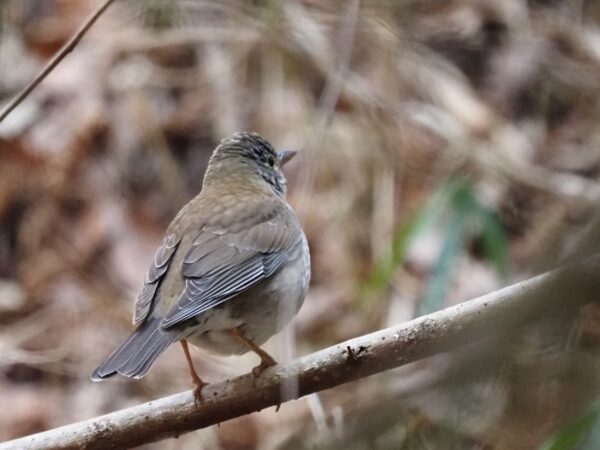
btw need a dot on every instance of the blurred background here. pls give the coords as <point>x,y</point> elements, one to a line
<point>447,148</point>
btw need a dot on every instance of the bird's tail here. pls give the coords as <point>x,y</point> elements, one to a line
<point>135,356</point>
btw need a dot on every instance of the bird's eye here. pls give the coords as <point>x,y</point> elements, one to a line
<point>271,161</point>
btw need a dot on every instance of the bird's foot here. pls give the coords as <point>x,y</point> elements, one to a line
<point>198,397</point>
<point>197,382</point>
<point>265,361</point>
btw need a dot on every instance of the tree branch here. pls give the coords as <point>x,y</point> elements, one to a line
<point>56,59</point>
<point>448,329</point>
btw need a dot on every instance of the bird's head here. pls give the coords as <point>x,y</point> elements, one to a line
<point>246,154</point>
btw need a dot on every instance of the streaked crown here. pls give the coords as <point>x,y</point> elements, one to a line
<point>248,150</point>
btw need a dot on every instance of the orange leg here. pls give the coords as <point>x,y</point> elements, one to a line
<point>266,360</point>
<point>196,380</point>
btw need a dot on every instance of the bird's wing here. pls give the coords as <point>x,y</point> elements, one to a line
<point>162,260</point>
<point>219,266</point>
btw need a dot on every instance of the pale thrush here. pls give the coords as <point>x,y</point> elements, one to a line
<point>232,269</point>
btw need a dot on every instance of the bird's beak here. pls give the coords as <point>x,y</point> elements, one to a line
<point>285,155</point>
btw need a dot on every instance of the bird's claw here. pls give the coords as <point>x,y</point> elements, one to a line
<point>264,364</point>
<point>198,397</point>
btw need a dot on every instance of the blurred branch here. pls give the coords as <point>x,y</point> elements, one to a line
<point>335,83</point>
<point>136,41</point>
<point>442,331</point>
<point>330,96</point>
<point>485,138</point>
<point>62,53</point>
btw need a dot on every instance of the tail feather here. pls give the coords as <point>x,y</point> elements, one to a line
<point>134,357</point>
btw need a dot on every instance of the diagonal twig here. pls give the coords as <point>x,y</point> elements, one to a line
<point>56,59</point>
<point>329,98</point>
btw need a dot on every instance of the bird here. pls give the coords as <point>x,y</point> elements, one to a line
<point>232,269</point>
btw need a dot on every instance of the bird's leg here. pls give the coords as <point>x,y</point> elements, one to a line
<point>266,360</point>
<point>196,380</point>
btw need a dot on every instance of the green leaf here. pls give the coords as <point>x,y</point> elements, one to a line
<point>467,216</point>
<point>403,236</point>
<point>463,204</point>
<point>581,434</point>
<point>494,242</point>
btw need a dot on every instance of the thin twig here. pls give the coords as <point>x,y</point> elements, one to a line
<point>328,100</point>
<point>335,84</point>
<point>64,51</point>
<point>488,316</point>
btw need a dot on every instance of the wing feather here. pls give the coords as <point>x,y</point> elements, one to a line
<point>160,265</point>
<point>219,266</point>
